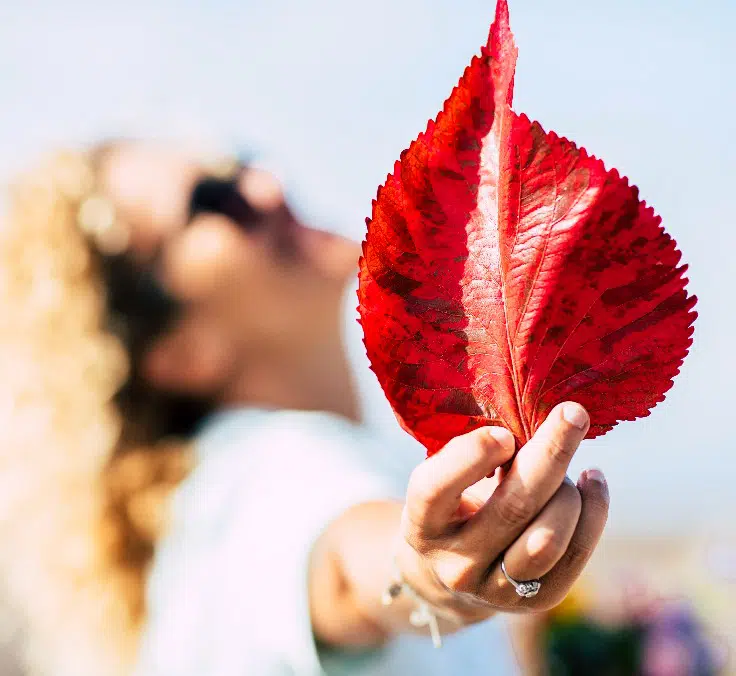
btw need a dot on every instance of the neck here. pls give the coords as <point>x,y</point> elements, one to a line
<point>318,381</point>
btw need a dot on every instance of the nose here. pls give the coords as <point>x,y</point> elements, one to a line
<point>261,189</point>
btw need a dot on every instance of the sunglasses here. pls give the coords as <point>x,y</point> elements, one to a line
<point>214,195</point>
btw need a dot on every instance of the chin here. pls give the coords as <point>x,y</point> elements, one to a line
<point>332,255</point>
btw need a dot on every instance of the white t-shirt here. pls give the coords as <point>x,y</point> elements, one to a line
<point>228,595</point>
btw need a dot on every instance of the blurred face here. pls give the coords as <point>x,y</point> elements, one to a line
<point>273,290</point>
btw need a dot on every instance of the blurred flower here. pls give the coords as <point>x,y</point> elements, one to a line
<point>575,604</point>
<point>676,645</point>
<point>638,633</point>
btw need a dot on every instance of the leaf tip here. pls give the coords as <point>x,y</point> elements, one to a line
<point>502,50</point>
<point>501,21</point>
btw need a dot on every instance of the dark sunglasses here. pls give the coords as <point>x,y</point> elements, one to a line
<point>222,196</point>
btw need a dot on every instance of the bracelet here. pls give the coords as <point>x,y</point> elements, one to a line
<point>424,615</point>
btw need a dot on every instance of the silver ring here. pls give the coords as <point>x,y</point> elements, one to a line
<point>526,589</point>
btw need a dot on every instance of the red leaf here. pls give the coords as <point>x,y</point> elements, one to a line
<point>506,270</point>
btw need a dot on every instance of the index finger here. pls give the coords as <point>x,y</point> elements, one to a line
<point>535,475</point>
<point>436,486</point>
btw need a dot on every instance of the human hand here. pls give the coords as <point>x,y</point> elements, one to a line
<point>458,524</point>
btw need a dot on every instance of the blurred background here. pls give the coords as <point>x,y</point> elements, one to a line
<point>329,92</point>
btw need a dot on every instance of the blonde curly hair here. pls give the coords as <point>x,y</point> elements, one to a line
<point>80,508</point>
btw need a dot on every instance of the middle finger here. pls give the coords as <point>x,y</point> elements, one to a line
<point>535,476</point>
<point>545,541</point>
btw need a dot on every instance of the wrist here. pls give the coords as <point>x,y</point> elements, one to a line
<point>420,575</point>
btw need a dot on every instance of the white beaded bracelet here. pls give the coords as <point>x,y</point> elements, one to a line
<point>424,615</point>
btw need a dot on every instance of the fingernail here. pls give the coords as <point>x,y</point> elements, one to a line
<point>575,414</point>
<point>595,475</point>
<point>501,435</point>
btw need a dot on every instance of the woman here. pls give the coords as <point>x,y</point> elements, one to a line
<point>187,486</point>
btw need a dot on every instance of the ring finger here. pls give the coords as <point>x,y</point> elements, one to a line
<point>542,545</point>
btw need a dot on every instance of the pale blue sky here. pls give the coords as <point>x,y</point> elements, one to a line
<point>333,90</point>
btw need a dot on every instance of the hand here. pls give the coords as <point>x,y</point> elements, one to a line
<point>458,525</point>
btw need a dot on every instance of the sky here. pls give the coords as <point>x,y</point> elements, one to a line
<point>329,92</point>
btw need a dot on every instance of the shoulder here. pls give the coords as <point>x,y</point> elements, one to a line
<point>283,441</point>
<point>247,458</point>
<point>236,427</point>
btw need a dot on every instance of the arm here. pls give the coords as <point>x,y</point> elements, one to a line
<point>454,529</point>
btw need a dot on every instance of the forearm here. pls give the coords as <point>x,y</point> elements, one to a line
<point>353,565</point>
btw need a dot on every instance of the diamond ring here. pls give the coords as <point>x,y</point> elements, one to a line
<point>526,589</point>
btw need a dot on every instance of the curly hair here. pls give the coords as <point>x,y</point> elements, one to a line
<point>81,502</point>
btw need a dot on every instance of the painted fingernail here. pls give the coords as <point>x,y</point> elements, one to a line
<point>595,475</point>
<point>575,414</point>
